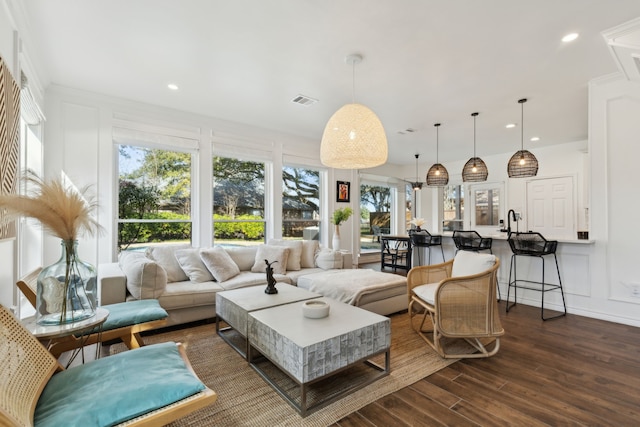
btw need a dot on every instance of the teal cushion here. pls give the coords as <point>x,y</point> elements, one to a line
<point>117,388</point>
<point>132,313</point>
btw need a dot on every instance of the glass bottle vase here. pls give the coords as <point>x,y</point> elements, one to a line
<point>67,289</point>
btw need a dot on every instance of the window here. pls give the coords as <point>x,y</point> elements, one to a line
<point>300,203</point>
<point>453,208</point>
<point>487,206</point>
<point>375,212</point>
<point>154,198</point>
<point>238,201</point>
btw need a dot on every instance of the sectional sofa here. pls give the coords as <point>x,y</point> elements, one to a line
<point>185,279</point>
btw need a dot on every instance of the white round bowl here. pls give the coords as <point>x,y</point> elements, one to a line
<point>315,309</point>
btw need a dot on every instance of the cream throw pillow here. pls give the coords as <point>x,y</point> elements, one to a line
<point>467,263</point>
<point>243,256</point>
<point>165,255</point>
<point>145,278</point>
<point>271,253</point>
<point>308,256</point>
<point>219,263</point>
<point>192,265</point>
<point>328,259</point>
<point>295,252</point>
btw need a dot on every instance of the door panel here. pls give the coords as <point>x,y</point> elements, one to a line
<point>551,208</point>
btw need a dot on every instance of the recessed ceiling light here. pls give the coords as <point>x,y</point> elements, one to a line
<point>570,37</point>
<point>510,125</point>
<point>535,138</point>
<point>172,86</point>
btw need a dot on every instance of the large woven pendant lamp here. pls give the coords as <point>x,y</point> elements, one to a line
<point>437,176</point>
<point>475,169</point>
<point>353,137</point>
<point>523,163</point>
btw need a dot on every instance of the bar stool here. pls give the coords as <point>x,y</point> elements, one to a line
<point>470,240</point>
<point>533,244</point>
<point>423,239</point>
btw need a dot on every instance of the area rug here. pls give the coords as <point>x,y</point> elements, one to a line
<point>245,399</point>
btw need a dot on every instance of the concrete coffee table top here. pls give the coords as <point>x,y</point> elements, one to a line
<point>233,306</point>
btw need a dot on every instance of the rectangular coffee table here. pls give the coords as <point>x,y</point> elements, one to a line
<point>312,351</point>
<point>233,306</point>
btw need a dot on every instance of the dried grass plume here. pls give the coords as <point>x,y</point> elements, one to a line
<point>63,211</point>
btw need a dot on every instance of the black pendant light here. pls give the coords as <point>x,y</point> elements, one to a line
<point>437,176</point>
<point>417,186</point>
<point>523,163</point>
<point>475,169</point>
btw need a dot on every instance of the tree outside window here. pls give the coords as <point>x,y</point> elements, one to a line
<point>238,201</point>
<point>154,197</point>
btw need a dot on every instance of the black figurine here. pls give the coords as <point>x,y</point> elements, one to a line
<point>271,282</point>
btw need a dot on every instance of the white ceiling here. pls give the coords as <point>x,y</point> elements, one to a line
<point>425,61</point>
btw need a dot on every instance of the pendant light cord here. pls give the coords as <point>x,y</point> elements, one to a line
<point>522,124</point>
<point>474,134</point>
<point>437,125</point>
<point>353,82</point>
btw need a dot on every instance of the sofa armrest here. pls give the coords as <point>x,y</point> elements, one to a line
<point>112,283</point>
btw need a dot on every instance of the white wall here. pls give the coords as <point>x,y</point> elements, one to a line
<point>613,140</point>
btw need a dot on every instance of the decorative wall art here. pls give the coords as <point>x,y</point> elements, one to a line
<point>9,143</point>
<point>343,190</point>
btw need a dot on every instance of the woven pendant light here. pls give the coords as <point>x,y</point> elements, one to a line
<point>475,170</point>
<point>523,163</point>
<point>353,137</point>
<point>437,176</point>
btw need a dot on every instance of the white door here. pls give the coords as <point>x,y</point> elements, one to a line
<point>550,207</point>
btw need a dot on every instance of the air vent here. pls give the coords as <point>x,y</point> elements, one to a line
<point>406,131</point>
<point>304,100</point>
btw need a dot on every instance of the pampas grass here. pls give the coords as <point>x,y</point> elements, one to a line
<point>63,211</point>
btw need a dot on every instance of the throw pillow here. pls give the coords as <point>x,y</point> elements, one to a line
<point>219,263</point>
<point>467,263</point>
<point>328,259</point>
<point>192,265</point>
<point>165,255</point>
<point>271,253</point>
<point>243,256</point>
<point>308,256</point>
<point>145,278</point>
<point>295,252</point>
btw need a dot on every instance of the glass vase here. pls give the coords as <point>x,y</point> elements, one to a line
<point>67,289</point>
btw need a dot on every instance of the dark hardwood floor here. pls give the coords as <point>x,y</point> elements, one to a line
<point>568,371</point>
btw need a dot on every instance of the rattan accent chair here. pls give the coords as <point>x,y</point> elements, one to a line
<point>27,368</point>
<point>457,300</point>
<point>126,328</point>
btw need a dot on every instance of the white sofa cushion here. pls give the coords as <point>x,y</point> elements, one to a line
<point>165,255</point>
<point>146,279</point>
<point>219,263</point>
<point>243,256</point>
<point>328,259</point>
<point>192,265</point>
<point>308,256</point>
<point>427,292</point>
<point>272,254</point>
<point>295,252</point>
<point>468,263</point>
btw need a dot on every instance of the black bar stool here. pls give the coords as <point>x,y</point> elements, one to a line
<point>423,239</point>
<point>532,244</point>
<point>470,240</point>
